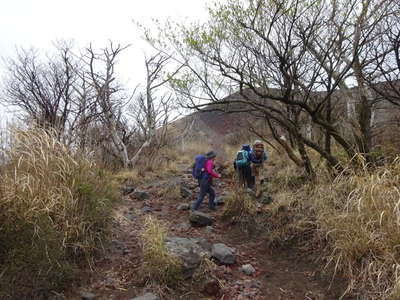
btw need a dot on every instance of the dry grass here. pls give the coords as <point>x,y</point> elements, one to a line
<point>239,206</point>
<point>361,219</point>
<point>158,264</point>
<point>54,210</point>
<point>159,165</point>
<point>355,218</point>
<point>170,191</point>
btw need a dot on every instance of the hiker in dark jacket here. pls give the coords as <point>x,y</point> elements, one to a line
<point>205,183</point>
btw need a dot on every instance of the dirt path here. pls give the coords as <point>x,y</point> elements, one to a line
<point>283,275</point>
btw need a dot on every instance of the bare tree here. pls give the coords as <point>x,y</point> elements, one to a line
<point>108,94</point>
<point>51,91</point>
<point>150,113</point>
<point>293,63</point>
<point>152,108</point>
<point>42,89</point>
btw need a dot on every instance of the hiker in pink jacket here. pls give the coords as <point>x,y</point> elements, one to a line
<point>205,183</point>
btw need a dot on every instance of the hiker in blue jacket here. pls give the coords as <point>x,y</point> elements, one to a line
<point>242,165</point>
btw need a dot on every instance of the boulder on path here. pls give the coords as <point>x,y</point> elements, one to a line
<point>223,254</point>
<point>189,252</point>
<point>147,296</point>
<point>140,195</point>
<point>200,219</point>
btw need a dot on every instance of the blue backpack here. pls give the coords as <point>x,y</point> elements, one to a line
<point>199,166</point>
<point>242,157</point>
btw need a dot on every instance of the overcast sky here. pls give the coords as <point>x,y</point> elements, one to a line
<point>38,23</point>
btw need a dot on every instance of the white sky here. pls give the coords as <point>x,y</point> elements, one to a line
<point>38,23</point>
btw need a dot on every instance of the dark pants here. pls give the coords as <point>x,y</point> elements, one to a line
<point>245,176</point>
<point>205,188</point>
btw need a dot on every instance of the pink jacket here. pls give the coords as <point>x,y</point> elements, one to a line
<point>210,168</point>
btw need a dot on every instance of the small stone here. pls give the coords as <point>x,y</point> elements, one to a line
<point>183,206</point>
<point>220,200</point>
<point>200,219</point>
<point>183,226</point>
<point>146,209</point>
<point>224,254</point>
<point>253,284</point>
<point>140,195</point>
<point>147,296</point>
<point>109,282</point>
<point>127,190</point>
<point>87,296</point>
<point>248,269</point>
<point>185,192</point>
<point>130,216</point>
<point>126,251</point>
<point>209,229</point>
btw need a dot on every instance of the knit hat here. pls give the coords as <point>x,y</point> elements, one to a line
<point>258,145</point>
<point>258,142</point>
<point>211,154</point>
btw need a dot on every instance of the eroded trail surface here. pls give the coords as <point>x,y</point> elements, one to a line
<point>283,274</point>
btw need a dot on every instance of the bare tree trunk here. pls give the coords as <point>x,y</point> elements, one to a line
<point>329,120</point>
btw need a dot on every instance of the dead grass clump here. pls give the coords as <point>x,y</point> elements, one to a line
<point>290,221</point>
<point>170,191</point>
<point>239,206</point>
<point>128,177</point>
<point>54,211</point>
<point>158,264</point>
<point>360,218</point>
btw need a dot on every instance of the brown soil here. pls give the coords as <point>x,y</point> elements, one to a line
<point>280,273</point>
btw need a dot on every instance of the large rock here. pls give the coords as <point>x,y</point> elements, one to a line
<point>200,219</point>
<point>190,252</point>
<point>147,296</point>
<point>140,195</point>
<point>223,254</point>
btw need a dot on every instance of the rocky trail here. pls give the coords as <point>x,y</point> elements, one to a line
<point>243,267</point>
